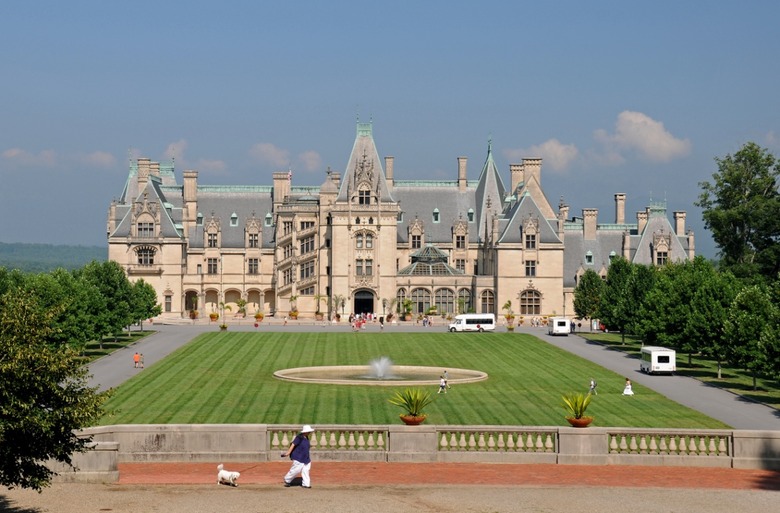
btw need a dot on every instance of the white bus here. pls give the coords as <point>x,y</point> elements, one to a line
<point>658,359</point>
<point>473,322</point>
<point>559,326</point>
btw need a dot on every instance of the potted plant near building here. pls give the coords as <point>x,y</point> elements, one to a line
<point>193,308</point>
<point>412,401</point>
<point>407,308</point>
<point>241,304</point>
<point>318,298</point>
<point>259,315</point>
<point>576,403</point>
<point>294,306</point>
<point>213,316</point>
<point>509,315</point>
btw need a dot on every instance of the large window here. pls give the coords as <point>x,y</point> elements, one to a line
<point>307,245</point>
<point>359,241</point>
<point>488,300</point>
<point>369,241</point>
<point>212,238</point>
<point>416,241</point>
<point>305,225</point>
<point>460,264</point>
<point>253,240</point>
<point>213,266</point>
<point>661,257</point>
<point>364,267</point>
<point>253,266</point>
<point>307,269</point>
<point>530,302</point>
<point>460,242</point>
<point>364,197</point>
<point>530,267</point>
<point>421,300</point>
<point>145,230</point>
<point>287,276</point>
<point>530,241</point>
<point>445,301</point>
<point>145,256</point>
<point>464,300</point>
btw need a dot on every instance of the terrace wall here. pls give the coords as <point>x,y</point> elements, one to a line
<point>428,443</point>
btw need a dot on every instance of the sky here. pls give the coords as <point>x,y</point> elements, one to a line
<point>632,97</point>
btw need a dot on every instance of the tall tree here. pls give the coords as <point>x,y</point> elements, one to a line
<point>44,394</point>
<point>145,303</point>
<point>741,207</point>
<point>109,278</point>
<point>588,294</point>
<point>624,293</point>
<point>749,328</point>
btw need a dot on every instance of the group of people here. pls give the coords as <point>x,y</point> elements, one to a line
<point>444,382</point>
<point>138,360</point>
<point>627,389</point>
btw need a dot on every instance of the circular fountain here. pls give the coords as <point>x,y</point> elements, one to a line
<point>379,372</point>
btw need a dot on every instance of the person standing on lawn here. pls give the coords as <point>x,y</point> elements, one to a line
<point>299,454</point>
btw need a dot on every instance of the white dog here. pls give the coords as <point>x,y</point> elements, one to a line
<point>227,477</point>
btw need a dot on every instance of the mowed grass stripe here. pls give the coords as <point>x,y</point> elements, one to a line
<point>228,378</point>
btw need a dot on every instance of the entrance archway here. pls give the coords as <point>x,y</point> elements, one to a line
<point>364,302</point>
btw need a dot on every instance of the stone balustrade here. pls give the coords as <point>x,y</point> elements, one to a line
<point>425,443</point>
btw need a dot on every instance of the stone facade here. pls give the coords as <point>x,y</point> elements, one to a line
<point>364,242</point>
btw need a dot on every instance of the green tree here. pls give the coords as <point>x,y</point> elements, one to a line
<point>110,280</point>
<point>44,395</point>
<point>588,294</point>
<point>750,330</point>
<point>742,210</point>
<point>624,293</point>
<point>144,305</point>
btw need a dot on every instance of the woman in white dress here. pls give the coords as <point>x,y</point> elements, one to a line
<point>628,390</point>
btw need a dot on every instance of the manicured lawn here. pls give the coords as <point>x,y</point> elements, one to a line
<point>227,378</point>
<point>704,369</point>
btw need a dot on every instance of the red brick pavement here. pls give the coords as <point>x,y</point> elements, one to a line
<point>377,474</point>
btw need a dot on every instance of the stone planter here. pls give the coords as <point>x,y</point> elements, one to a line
<point>413,420</point>
<point>581,422</point>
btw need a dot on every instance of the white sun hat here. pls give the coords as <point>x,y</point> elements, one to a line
<point>307,429</point>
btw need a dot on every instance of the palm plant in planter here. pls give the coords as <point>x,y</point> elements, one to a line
<point>413,401</point>
<point>576,403</point>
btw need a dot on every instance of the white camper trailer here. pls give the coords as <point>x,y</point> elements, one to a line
<point>473,322</point>
<point>656,359</point>
<point>558,326</point>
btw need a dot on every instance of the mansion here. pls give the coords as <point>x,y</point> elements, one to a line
<point>364,242</point>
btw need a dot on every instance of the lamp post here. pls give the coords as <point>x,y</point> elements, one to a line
<point>343,304</point>
<point>384,306</point>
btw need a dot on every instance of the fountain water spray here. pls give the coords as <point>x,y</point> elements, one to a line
<point>381,367</point>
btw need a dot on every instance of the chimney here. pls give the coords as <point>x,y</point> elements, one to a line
<point>336,178</point>
<point>627,245</point>
<point>563,215</point>
<point>590,219</point>
<point>190,194</point>
<point>143,173</point>
<point>389,170</point>
<point>679,223</point>
<point>532,168</point>
<point>516,176</point>
<point>154,168</point>
<point>281,187</point>
<point>620,208</point>
<point>462,181</point>
<point>691,245</point>
<point>641,221</point>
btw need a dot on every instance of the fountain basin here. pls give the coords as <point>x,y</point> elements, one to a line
<point>400,375</point>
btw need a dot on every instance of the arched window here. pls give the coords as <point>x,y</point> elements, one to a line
<point>400,297</point>
<point>530,302</point>
<point>145,255</point>
<point>488,300</point>
<point>421,300</point>
<point>445,301</point>
<point>359,241</point>
<point>369,241</point>
<point>464,301</point>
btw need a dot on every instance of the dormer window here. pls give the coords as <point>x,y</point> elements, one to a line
<point>269,220</point>
<point>364,197</point>
<point>234,219</point>
<point>436,215</point>
<point>471,215</point>
<point>589,258</point>
<point>199,220</point>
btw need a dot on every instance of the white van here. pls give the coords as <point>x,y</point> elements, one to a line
<point>473,322</point>
<point>658,359</point>
<point>558,326</point>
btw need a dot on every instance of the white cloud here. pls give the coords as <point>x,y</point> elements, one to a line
<point>101,159</point>
<point>215,167</point>
<point>176,150</point>
<point>554,154</point>
<point>20,157</point>
<point>635,131</point>
<point>310,160</point>
<point>270,154</point>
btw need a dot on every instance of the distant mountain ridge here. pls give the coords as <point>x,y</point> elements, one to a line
<point>47,257</point>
